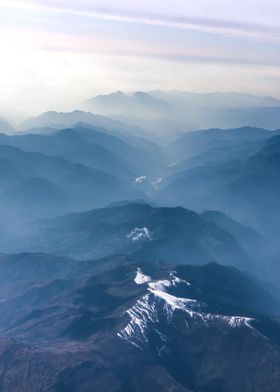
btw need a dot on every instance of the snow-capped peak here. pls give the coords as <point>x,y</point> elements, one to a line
<point>157,307</point>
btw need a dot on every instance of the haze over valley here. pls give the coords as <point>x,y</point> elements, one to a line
<point>139,196</point>
<point>133,235</point>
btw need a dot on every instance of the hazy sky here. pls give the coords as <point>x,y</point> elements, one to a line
<point>55,53</point>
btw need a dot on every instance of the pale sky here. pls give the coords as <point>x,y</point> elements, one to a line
<point>56,53</point>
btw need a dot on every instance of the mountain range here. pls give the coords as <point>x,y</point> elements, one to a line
<point>173,235</point>
<point>117,325</point>
<point>170,111</point>
<point>139,246</point>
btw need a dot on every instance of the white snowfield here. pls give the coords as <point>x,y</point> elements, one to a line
<point>140,278</point>
<point>158,306</point>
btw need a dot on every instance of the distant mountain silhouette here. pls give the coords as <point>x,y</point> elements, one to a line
<point>138,103</point>
<point>126,159</point>
<point>171,111</point>
<point>27,177</point>
<point>5,126</point>
<point>147,233</point>
<point>247,188</point>
<point>60,120</point>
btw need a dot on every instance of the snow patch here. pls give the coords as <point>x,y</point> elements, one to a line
<point>172,301</point>
<point>140,278</point>
<point>139,180</point>
<point>236,321</point>
<point>178,280</point>
<point>139,234</point>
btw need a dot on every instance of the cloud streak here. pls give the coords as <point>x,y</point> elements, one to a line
<point>57,53</point>
<point>227,28</point>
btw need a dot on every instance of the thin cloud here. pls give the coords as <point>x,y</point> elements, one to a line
<point>215,26</point>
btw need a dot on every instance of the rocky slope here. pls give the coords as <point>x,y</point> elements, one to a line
<point>116,325</point>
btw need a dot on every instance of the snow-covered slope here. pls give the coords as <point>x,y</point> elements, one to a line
<point>158,309</point>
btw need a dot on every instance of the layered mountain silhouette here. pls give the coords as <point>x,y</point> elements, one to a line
<point>136,255</point>
<point>60,120</point>
<point>147,233</point>
<point>36,185</point>
<point>247,188</point>
<point>95,148</point>
<point>177,110</point>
